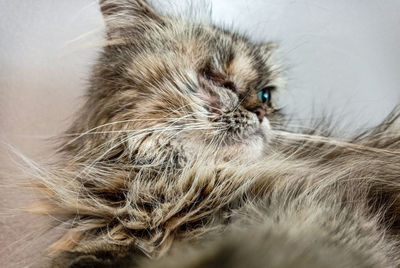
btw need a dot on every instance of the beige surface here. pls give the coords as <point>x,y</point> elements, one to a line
<point>42,77</point>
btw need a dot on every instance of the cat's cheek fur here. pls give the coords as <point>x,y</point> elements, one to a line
<point>259,143</point>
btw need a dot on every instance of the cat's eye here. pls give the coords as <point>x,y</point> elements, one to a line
<point>265,95</point>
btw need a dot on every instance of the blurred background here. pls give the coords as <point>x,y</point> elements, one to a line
<point>342,57</point>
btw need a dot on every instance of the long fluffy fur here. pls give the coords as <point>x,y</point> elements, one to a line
<point>131,183</point>
<point>327,192</point>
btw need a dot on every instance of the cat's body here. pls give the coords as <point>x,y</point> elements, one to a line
<point>179,146</point>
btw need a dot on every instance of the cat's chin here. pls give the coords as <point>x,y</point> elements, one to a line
<point>250,149</point>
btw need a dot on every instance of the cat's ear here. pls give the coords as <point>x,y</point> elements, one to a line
<point>128,17</point>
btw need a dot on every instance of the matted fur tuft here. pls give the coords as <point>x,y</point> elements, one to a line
<point>176,146</point>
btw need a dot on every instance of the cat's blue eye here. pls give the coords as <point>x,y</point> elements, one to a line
<point>264,95</point>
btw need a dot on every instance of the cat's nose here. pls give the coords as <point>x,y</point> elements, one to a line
<point>260,112</point>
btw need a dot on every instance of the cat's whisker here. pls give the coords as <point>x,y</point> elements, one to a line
<point>326,140</point>
<point>161,130</point>
<point>141,131</point>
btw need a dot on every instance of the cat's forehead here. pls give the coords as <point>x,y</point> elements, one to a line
<point>202,44</point>
<point>187,37</point>
<point>228,52</point>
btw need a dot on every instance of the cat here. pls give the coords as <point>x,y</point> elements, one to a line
<point>180,158</point>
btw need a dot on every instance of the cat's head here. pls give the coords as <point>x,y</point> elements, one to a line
<point>167,82</point>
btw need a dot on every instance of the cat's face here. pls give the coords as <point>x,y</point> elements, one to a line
<point>182,84</point>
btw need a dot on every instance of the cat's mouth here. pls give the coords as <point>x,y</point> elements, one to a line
<point>243,146</point>
<point>239,123</point>
<point>240,135</point>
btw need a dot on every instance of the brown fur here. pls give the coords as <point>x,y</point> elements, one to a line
<point>169,149</point>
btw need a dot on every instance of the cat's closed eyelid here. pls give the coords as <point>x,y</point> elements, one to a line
<point>229,85</point>
<point>219,80</point>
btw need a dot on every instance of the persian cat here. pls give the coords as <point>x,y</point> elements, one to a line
<point>180,158</point>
